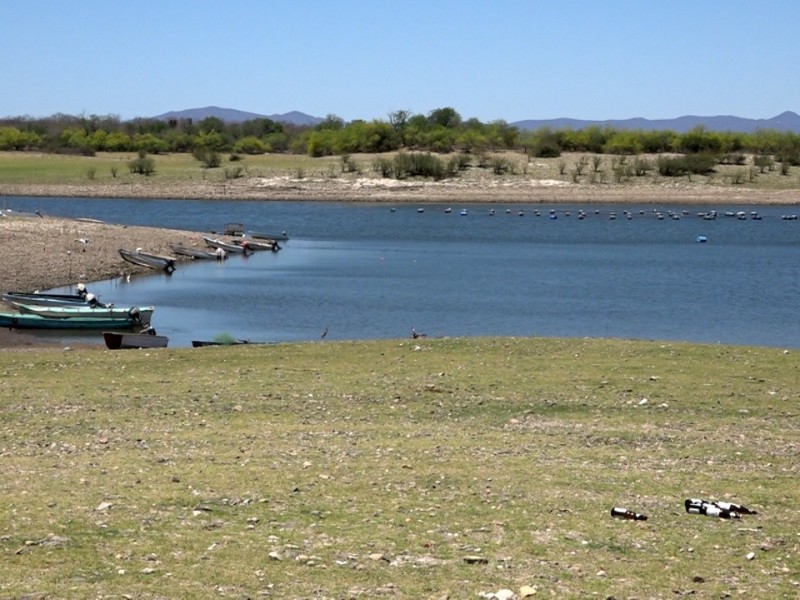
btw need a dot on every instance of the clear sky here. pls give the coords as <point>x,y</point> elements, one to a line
<point>362,59</point>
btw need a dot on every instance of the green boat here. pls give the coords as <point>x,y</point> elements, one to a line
<point>142,313</point>
<point>17,320</point>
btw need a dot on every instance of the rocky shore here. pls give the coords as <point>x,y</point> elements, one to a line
<point>42,253</point>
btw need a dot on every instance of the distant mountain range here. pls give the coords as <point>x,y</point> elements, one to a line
<point>231,115</point>
<point>786,121</point>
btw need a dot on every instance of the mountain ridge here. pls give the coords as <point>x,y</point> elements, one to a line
<point>232,115</point>
<point>785,121</point>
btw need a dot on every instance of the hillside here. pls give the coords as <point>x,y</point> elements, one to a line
<point>232,115</point>
<point>786,121</point>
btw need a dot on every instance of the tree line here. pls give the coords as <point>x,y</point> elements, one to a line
<point>440,131</point>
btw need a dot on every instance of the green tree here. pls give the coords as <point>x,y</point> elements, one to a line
<point>445,117</point>
<point>250,145</point>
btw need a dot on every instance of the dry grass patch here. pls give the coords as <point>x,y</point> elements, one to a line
<point>359,470</point>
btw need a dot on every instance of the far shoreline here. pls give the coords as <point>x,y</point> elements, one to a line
<point>424,192</point>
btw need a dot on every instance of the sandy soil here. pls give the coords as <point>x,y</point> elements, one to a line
<point>471,186</point>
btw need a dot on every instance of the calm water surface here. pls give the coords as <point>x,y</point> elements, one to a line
<point>376,270</point>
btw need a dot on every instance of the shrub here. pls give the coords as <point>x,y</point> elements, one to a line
<point>143,165</point>
<point>763,163</point>
<point>501,166</point>
<point>737,177</point>
<point>209,158</point>
<point>733,158</point>
<point>418,165</point>
<point>348,164</point>
<point>698,164</point>
<point>91,172</point>
<point>641,166</point>
<point>383,166</point>
<point>546,149</point>
<point>234,172</point>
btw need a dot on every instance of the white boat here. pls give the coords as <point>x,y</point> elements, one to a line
<point>214,243</point>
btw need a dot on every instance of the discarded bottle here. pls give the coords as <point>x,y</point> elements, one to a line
<point>695,506</point>
<point>737,508</point>
<point>623,513</point>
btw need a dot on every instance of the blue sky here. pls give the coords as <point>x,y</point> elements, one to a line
<point>362,59</point>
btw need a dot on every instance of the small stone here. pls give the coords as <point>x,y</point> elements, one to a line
<point>378,556</point>
<point>751,555</point>
<point>274,555</point>
<point>526,591</point>
<point>698,579</point>
<point>476,560</point>
<point>103,506</point>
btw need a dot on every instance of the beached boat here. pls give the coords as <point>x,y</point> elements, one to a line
<point>214,243</point>
<point>42,299</point>
<point>255,245</point>
<point>18,320</point>
<point>116,340</point>
<point>278,237</point>
<point>197,253</point>
<point>144,259</point>
<point>143,313</point>
<point>202,343</point>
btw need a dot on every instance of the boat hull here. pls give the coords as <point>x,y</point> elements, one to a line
<point>143,313</point>
<point>116,340</point>
<point>203,343</point>
<point>14,320</point>
<point>278,237</point>
<point>142,259</point>
<point>194,252</point>
<point>212,243</point>
<point>45,299</point>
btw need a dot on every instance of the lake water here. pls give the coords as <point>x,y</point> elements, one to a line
<point>367,271</point>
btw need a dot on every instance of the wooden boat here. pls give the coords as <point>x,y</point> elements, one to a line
<point>278,237</point>
<point>153,261</point>
<point>143,313</point>
<point>42,299</point>
<point>17,320</point>
<point>116,340</point>
<point>197,253</point>
<point>214,243</point>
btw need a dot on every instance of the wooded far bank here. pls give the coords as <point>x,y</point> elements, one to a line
<point>443,130</point>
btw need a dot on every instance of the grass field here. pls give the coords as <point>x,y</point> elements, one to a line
<point>432,468</point>
<point>42,169</point>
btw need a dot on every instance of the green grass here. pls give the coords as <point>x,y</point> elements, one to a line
<point>38,169</point>
<point>370,469</point>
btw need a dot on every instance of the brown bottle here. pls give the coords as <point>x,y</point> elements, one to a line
<point>623,513</point>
